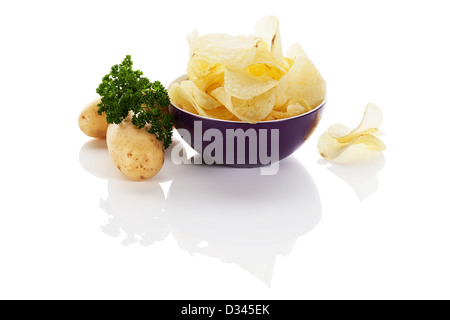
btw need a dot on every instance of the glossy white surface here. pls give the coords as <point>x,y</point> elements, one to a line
<point>74,227</point>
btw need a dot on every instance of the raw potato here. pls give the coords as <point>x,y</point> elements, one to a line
<point>135,152</point>
<point>91,123</point>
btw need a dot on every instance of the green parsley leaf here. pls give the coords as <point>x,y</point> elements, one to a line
<point>124,90</point>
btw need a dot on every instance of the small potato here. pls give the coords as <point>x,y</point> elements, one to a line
<point>135,152</point>
<point>91,123</point>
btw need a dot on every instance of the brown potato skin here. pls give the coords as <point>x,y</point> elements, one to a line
<point>136,153</point>
<point>91,123</point>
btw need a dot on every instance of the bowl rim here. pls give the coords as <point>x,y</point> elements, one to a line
<point>185,77</point>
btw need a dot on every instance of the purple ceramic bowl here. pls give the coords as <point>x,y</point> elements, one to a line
<point>240,144</point>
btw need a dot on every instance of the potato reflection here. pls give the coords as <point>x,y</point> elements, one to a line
<point>135,211</point>
<point>241,217</point>
<point>135,208</point>
<point>94,158</point>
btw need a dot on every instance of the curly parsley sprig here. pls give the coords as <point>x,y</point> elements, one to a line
<point>124,90</point>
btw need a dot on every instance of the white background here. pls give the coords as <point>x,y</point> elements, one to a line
<point>73,227</point>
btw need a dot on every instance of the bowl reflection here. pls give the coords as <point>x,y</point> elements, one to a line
<point>240,216</point>
<point>135,212</point>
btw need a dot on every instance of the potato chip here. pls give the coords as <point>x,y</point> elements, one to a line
<point>221,113</point>
<point>353,136</point>
<point>181,98</point>
<point>372,119</point>
<point>330,148</point>
<point>263,56</point>
<point>265,70</point>
<point>197,69</point>
<point>243,86</point>
<point>201,98</point>
<point>253,110</point>
<point>371,142</point>
<point>296,106</point>
<point>232,51</point>
<point>295,109</point>
<point>302,82</point>
<point>183,95</point>
<point>280,108</point>
<point>248,78</point>
<point>338,131</point>
<point>339,138</point>
<point>289,61</point>
<point>192,39</point>
<point>292,109</point>
<point>268,28</point>
<point>278,115</point>
<point>206,77</point>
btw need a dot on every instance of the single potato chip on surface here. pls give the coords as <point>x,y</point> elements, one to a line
<point>330,148</point>
<point>339,138</point>
<point>372,119</point>
<point>371,142</point>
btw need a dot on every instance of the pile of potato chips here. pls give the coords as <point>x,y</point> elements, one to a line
<point>339,138</point>
<point>248,78</point>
